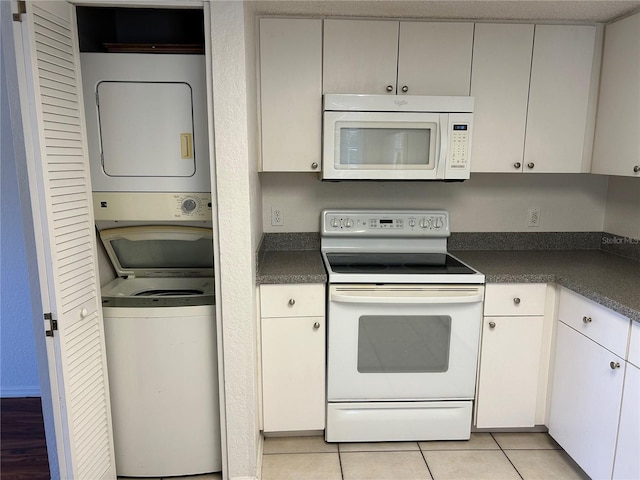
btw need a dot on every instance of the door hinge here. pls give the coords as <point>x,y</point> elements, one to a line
<point>53,324</point>
<point>22,8</point>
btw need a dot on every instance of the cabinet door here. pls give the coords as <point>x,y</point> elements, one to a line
<point>291,94</point>
<point>509,367</point>
<point>435,58</point>
<point>559,94</point>
<point>293,373</point>
<point>360,56</point>
<point>585,401</point>
<point>500,86</point>
<point>627,463</point>
<point>616,149</point>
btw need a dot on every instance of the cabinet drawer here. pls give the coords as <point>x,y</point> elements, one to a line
<point>603,326</point>
<point>515,299</point>
<point>295,300</point>
<point>634,344</point>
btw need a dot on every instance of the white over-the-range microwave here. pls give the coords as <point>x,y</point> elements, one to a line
<point>397,137</point>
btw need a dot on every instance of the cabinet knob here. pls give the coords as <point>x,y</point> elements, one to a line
<point>492,324</point>
<point>586,320</point>
<point>405,89</point>
<point>636,169</point>
<point>389,88</point>
<point>84,312</point>
<point>531,165</point>
<point>516,300</point>
<point>314,165</point>
<point>292,302</point>
<point>517,165</point>
<point>614,365</point>
<point>316,325</point>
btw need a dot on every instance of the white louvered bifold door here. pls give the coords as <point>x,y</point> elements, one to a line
<point>59,172</point>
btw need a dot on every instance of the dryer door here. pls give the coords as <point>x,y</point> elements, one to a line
<point>146,129</point>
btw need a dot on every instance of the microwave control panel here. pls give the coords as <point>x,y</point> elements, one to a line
<point>459,146</point>
<point>416,223</point>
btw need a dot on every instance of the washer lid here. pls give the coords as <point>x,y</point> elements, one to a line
<point>160,251</point>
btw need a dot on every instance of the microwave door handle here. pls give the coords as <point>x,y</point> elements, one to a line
<point>426,300</point>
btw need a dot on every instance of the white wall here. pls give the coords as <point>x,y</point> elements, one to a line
<point>484,203</point>
<point>18,366</point>
<point>622,216</point>
<point>239,217</point>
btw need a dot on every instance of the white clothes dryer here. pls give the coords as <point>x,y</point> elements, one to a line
<point>160,335</point>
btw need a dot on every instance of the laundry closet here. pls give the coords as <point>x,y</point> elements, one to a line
<point>145,98</point>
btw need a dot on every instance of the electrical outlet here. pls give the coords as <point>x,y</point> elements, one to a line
<point>533,217</point>
<point>276,216</point>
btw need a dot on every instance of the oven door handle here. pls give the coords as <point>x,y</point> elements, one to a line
<point>414,298</point>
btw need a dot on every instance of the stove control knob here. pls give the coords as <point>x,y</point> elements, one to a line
<point>335,223</point>
<point>348,223</point>
<point>425,222</point>
<point>412,222</point>
<point>438,223</point>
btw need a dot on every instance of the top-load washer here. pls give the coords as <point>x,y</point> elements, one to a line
<point>146,117</point>
<point>160,332</point>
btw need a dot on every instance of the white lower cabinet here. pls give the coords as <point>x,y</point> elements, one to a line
<point>511,356</point>
<point>627,461</point>
<point>587,387</point>
<point>293,331</point>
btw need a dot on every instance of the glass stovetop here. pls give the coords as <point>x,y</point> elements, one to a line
<point>392,263</point>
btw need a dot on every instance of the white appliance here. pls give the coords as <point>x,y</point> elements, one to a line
<point>391,137</point>
<point>403,320</point>
<point>146,118</point>
<point>160,333</point>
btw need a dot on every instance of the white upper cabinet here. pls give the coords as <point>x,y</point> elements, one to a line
<point>360,56</point>
<point>616,148</point>
<point>434,58</point>
<point>533,111</point>
<point>290,94</point>
<point>559,130</point>
<point>386,56</point>
<point>500,86</point>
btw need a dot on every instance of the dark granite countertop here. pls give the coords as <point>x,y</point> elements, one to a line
<point>610,280</point>
<point>294,266</point>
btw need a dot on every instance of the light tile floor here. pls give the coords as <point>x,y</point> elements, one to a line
<point>491,456</point>
<point>206,476</point>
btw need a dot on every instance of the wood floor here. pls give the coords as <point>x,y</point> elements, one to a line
<point>23,448</point>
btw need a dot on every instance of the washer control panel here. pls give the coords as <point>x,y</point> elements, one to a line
<point>151,206</point>
<point>401,223</point>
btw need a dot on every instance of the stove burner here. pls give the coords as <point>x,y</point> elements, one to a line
<point>367,267</point>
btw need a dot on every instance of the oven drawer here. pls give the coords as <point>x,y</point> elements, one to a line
<point>292,300</point>
<point>514,299</point>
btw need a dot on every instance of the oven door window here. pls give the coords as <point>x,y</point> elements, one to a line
<point>404,343</point>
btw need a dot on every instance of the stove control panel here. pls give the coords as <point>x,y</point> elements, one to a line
<point>401,223</point>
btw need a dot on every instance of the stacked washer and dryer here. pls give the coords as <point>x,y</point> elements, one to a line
<point>148,149</point>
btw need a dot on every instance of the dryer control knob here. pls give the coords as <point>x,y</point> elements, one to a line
<point>189,205</point>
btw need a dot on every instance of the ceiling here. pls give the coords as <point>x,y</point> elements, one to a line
<point>518,10</point>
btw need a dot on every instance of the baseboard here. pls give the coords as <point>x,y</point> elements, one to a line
<point>17,392</point>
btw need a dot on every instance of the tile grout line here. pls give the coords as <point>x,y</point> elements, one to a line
<point>507,456</point>
<point>425,461</point>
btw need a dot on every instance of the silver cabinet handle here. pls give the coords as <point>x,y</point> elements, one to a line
<point>517,165</point>
<point>586,320</point>
<point>636,169</point>
<point>314,165</point>
<point>405,89</point>
<point>316,325</point>
<point>389,88</point>
<point>614,365</point>
<point>516,300</point>
<point>292,302</point>
<point>492,324</point>
<point>531,165</point>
